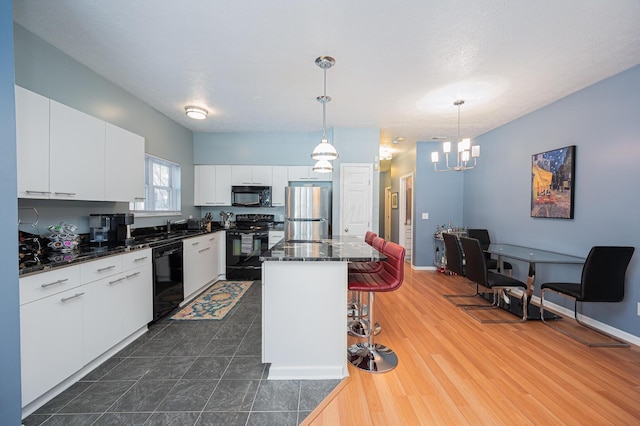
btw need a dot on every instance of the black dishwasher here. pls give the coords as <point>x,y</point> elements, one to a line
<point>168,282</point>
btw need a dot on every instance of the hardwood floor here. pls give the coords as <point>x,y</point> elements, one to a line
<point>454,370</point>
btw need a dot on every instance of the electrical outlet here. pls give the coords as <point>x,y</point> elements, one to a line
<point>425,215</point>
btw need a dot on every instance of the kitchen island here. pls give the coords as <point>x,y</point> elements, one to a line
<point>304,306</point>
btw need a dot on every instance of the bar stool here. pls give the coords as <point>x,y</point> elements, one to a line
<point>354,303</point>
<point>370,356</point>
<point>358,311</point>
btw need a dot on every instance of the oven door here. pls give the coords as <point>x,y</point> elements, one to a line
<point>243,254</point>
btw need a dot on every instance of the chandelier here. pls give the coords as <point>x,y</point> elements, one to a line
<point>324,152</point>
<point>464,151</point>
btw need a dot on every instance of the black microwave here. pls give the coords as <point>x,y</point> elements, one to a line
<point>251,196</point>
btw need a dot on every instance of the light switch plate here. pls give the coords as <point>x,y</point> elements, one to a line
<point>639,309</point>
<point>425,215</point>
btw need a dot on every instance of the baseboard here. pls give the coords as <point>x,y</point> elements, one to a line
<point>424,268</point>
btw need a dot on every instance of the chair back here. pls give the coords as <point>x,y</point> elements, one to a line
<point>393,272</point>
<point>481,235</point>
<point>476,266</point>
<point>453,252</point>
<point>378,244</point>
<point>369,236</point>
<point>603,274</point>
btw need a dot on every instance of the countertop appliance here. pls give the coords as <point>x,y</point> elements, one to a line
<point>307,215</point>
<point>245,242</point>
<point>226,219</point>
<point>168,281</point>
<point>251,196</point>
<point>110,230</point>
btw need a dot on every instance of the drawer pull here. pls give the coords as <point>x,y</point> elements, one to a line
<point>212,239</point>
<point>37,192</point>
<point>117,281</point>
<point>140,259</point>
<point>195,244</point>
<point>133,275</point>
<point>106,269</point>
<point>204,249</point>
<point>64,299</point>
<point>54,283</point>
<point>64,193</point>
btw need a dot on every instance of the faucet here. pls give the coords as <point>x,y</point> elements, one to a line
<point>169,223</point>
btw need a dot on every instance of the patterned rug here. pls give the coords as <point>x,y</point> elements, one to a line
<point>215,302</point>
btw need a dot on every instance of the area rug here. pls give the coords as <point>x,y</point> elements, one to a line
<point>215,302</point>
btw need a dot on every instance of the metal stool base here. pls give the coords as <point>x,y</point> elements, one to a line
<point>375,359</point>
<point>360,328</point>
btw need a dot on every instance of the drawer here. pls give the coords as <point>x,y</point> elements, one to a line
<point>101,268</point>
<point>37,286</point>
<point>196,243</point>
<point>135,259</point>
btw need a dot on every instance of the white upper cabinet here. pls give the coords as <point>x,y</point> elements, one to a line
<point>32,132</point>
<point>124,165</point>
<point>306,173</point>
<point>251,175</point>
<point>76,157</point>
<point>280,182</point>
<point>212,185</point>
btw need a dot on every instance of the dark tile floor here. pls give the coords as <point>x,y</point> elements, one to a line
<point>199,372</point>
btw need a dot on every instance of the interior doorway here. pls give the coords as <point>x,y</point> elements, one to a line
<point>387,213</point>
<point>405,218</point>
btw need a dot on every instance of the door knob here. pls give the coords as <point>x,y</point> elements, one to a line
<point>346,229</point>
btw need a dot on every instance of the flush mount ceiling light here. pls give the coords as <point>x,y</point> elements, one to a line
<point>195,112</point>
<point>324,151</point>
<point>464,146</point>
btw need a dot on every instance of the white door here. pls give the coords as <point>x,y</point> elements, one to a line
<point>356,193</point>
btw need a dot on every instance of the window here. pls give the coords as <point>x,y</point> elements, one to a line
<point>161,188</point>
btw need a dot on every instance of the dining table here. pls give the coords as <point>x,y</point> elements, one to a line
<point>532,256</point>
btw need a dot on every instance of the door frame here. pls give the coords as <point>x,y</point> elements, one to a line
<point>402,210</point>
<point>387,213</point>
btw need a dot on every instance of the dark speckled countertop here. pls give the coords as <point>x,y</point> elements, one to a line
<point>342,248</point>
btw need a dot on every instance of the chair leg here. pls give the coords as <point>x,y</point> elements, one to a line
<point>469,310</point>
<point>618,343</point>
<point>465,296</point>
<point>370,356</point>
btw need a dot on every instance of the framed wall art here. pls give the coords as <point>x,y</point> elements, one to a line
<point>394,200</point>
<point>553,182</point>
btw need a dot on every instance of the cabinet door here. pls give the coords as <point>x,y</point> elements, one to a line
<point>204,187</point>
<point>297,173</point>
<point>319,176</point>
<point>76,154</point>
<point>138,304</point>
<point>51,341</point>
<point>32,144</point>
<point>214,256</point>
<point>223,185</point>
<point>261,175</point>
<point>280,182</point>
<point>124,165</point>
<point>241,175</point>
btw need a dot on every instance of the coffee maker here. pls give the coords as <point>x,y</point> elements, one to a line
<point>110,230</point>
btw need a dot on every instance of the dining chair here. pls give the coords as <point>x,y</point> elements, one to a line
<point>455,266</point>
<point>476,270</point>
<point>482,235</point>
<point>603,276</point>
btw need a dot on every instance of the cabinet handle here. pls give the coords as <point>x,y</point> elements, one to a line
<point>37,192</point>
<point>139,198</point>
<point>64,299</point>
<point>196,243</point>
<point>54,283</point>
<point>210,202</point>
<point>204,249</point>
<point>140,258</point>
<point>117,281</point>
<point>133,275</point>
<point>64,193</point>
<point>105,269</point>
<point>212,239</point>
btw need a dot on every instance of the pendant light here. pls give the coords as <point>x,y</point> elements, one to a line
<point>324,151</point>
<point>465,151</point>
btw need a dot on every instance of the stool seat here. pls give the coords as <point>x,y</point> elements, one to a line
<point>369,267</point>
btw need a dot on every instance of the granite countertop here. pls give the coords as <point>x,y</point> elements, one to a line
<point>341,248</point>
<point>51,259</point>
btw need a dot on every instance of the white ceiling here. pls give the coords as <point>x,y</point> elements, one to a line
<point>399,64</point>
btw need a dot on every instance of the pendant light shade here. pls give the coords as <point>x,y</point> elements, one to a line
<point>324,151</point>
<point>322,166</point>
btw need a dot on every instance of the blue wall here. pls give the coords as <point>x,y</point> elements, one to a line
<point>602,121</point>
<point>10,411</point>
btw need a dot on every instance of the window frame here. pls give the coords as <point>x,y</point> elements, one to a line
<point>174,188</point>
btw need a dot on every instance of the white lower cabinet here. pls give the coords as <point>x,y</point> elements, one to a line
<point>201,262</point>
<point>71,316</point>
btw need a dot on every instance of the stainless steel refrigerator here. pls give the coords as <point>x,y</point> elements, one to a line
<point>307,213</point>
